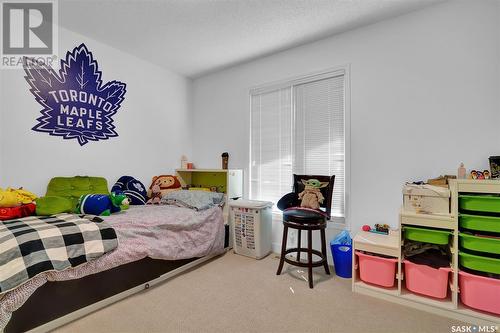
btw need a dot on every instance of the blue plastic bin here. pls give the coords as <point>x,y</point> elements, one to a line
<point>342,259</point>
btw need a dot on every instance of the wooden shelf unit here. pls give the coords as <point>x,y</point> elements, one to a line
<point>381,244</point>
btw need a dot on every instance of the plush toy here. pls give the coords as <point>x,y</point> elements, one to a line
<point>101,204</point>
<point>155,195</point>
<point>132,188</point>
<point>8,199</point>
<point>15,197</point>
<point>8,213</point>
<point>311,196</point>
<point>167,183</point>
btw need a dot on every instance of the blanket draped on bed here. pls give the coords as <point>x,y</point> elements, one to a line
<point>33,245</point>
<point>159,232</point>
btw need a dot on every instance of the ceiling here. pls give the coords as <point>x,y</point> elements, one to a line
<point>195,37</point>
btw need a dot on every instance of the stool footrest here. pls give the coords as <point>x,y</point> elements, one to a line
<point>317,263</point>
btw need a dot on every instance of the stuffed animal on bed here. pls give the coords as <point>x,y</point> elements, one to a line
<point>166,184</point>
<point>311,196</point>
<point>132,188</point>
<point>155,195</point>
<point>101,204</point>
<point>15,197</point>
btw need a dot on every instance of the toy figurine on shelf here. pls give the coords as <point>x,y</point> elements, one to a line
<point>225,160</point>
<point>379,229</point>
<point>479,175</point>
<point>461,174</point>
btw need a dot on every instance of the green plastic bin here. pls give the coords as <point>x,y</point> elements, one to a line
<point>480,223</point>
<point>479,263</point>
<point>439,237</point>
<point>481,244</point>
<point>479,203</point>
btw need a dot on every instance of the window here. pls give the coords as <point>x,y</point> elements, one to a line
<point>298,127</point>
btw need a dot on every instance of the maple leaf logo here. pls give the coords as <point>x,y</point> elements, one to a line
<point>76,105</point>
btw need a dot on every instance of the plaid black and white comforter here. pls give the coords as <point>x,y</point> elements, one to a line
<point>33,245</point>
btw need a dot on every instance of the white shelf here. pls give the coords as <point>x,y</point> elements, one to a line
<point>445,303</point>
<point>390,291</point>
<point>378,243</point>
<point>202,170</point>
<point>451,306</point>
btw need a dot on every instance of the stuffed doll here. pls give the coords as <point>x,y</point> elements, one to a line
<point>8,199</point>
<point>102,204</point>
<point>155,195</point>
<point>311,196</point>
<point>167,183</point>
<point>15,197</point>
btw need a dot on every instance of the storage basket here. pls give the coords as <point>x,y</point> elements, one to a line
<point>480,243</point>
<point>377,270</point>
<point>440,237</point>
<point>426,199</point>
<point>479,203</point>
<point>480,223</point>
<point>251,222</point>
<point>479,292</point>
<point>479,263</point>
<point>426,280</point>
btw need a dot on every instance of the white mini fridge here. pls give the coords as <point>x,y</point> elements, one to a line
<point>251,223</point>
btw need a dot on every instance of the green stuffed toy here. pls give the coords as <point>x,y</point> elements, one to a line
<point>311,196</point>
<point>102,204</point>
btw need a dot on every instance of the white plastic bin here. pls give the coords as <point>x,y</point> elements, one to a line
<point>251,225</point>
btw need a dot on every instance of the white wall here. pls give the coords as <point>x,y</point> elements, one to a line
<point>424,97</point>
<point>153,124</point>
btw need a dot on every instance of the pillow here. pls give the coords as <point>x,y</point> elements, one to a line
<point>198,200</point>
<point>132,188</point>
<point>51,205</point>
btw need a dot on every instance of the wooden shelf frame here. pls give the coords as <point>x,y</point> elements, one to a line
<point>450,307</point>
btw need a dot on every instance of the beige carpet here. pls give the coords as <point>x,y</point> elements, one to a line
<point>238,294</point>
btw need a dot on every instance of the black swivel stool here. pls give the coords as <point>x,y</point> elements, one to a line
<point>308,220</point>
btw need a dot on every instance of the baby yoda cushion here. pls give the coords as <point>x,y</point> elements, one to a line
<point>311,195</point>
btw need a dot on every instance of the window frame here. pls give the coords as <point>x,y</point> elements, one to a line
<point>335,222</point>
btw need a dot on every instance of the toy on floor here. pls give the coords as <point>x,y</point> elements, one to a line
<point>311,196</point>
<point>102,204</point>
<point>166,183</point>
<point>379,229</point>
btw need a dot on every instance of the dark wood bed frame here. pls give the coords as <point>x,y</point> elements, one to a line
<point>57,303</point>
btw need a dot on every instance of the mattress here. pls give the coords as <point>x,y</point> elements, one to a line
<point>157,232</point>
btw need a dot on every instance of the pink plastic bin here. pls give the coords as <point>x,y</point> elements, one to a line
<point>425,280</point>
<point>377,270</point>
<point>480,292</point>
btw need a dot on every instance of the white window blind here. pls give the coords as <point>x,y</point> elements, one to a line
<point>298,127</point>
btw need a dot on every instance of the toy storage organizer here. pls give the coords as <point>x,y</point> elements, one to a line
<point>467,290</point>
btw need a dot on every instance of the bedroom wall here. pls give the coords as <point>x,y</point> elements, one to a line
<point>424,97</point>
<point>153,125</point>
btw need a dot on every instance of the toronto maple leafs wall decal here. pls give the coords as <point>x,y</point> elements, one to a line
<point>76,105</point>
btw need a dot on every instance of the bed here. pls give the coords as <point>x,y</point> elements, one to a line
<point>154,244</point>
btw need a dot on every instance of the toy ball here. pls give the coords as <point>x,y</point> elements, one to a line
<point>366,227</point>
